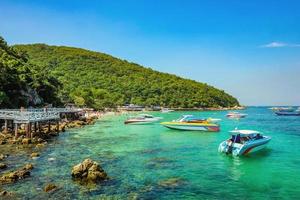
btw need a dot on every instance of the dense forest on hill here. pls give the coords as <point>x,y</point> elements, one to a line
<point>22,83</point>
<point>65,74</point>
<point>100,80</point>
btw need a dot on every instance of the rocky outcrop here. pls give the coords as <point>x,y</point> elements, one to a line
<point>34,155</point>
<point>5,193</point>
<point>14,176</point>
<point>3,166</point>
<point>89,171</point>
<point>50,187</point>
<point>40,145</point>
<point>82,122</point>
<point>26,141</point>
<point>28,166</point>
<point>76,124</point>
<point>3,156</point>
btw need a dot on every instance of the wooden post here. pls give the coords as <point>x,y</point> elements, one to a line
<point>5,126</point>
<point>31,131</point>
<point>16,130</point>
<point>57,126</point>
<point>11,125</point>
<point>34,126</point>
<point>38,126</point>
<point>49,126</point>
<point>27,130</point>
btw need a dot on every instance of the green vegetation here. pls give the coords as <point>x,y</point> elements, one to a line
<point>22,83</point>
<point>99,80</point>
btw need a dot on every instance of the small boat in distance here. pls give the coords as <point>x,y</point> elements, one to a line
<point>191,123</point>
<point>166,110</point>
<point>243,142</point>
<point>285,113</point>
<point>213,120</point>
<point>142,119</point>
<point>236,115</point>
<point>283,109</point>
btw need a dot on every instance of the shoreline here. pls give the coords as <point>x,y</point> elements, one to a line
<point>211,109</point>
<point>122,110</point>
<point>32,148</point>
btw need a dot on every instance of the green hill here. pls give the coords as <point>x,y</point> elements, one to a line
<point>99,80</point>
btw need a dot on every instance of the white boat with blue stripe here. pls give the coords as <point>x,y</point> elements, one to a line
<point>243,142</point>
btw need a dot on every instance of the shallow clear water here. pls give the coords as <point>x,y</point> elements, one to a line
<point>153,162</point>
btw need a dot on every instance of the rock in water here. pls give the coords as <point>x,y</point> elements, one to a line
<point>171,182</point>
<point>2,156</point>
<point>40,145</point>
<point>5,193</point>
<point>50,187</point>
<point>26,141</point>
<point>3,166</point>
<point>28,166</point>
<point>89,171</point>
<point>14,176</point>
<point>34,155</point>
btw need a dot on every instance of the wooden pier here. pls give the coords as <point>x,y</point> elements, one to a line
<point>32,118</point>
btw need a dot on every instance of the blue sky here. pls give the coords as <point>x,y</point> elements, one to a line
<point>250,49</point>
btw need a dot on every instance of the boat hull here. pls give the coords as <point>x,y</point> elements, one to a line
<point>192,127</point>
<point>236,116</point>
<point>141,122</point>
<point>244,149</point>
<point>288,113</point>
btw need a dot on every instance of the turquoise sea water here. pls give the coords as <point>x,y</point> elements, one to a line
<point>153,162</point>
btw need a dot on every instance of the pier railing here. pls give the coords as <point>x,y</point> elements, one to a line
<point>60,110</point>
<point>26,117</point>
<point>34,115</point>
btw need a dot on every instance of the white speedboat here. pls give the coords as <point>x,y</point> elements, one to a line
<point>166,110</point>
<point>236,115</point>
<point>192,123</point>
<point>243,142</point>
<point>142,119</point>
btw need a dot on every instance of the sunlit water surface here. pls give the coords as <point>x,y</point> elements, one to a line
<point>153,162</point>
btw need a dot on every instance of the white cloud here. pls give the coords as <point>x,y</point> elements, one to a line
<point>279,44</point>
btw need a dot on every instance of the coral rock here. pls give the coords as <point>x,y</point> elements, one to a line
<point>14,176</point>
<point>26,141</point>
<point>50,187</point>
<point>89,171</point>
<point>34,155</point>
<point>3,166</point>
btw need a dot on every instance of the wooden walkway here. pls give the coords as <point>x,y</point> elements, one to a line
<point>33,117</point>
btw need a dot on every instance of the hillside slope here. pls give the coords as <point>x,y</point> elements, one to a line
<point>100,80</point>
<point>22,83</point>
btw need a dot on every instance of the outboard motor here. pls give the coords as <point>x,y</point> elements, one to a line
<point>229,148</point>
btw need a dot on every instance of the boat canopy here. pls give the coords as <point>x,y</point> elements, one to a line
<point>245,132</point>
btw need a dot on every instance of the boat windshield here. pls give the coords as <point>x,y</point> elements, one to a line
<point>241,139</point>
<point>144,116</point>
<point>190,118</point>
